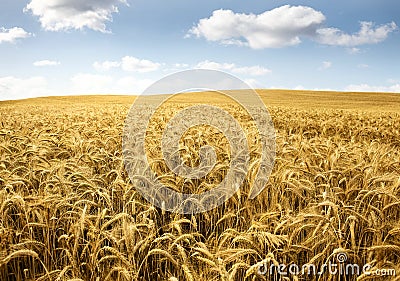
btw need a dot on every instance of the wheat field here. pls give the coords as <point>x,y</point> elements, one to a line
<point>68,210</point>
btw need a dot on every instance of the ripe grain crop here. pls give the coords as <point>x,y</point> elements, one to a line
<point>68,210</point>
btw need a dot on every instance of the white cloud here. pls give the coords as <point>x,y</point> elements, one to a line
<point>276,28</point>
<point>131,85</point>
<point>255,70</point>
<point>12,34</point>
<point>181,65</point>
<point>282,26</point>
<point>393,81</point>
<point>12,88</point>
<point>325,65</point>
<point>46,63</point>
<point>106,65</point>
<point>395,88</point>
<point>215,65</point>
<point>85,83</point>
<point>255,84</point>
<point>176,67</point>
<point>363,65</point>
<point>58,15</point>
<point>129,63</point>
<point>353,50</point>
<point>299,87</point>
<point>368,34</point>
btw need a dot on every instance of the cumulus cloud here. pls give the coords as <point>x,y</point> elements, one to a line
<point>12,88</point>
<point>215,65</point>
<point>59,15</point>
<point>131,85</point>
<point>368,34</point>
<point>138,65</point>
<point>353,50</point>
<point>181,65</point>
<point>86,83</point>
<point>106,65</point>
<point>395,88</point>
<point>276,28</point>
<point>282,26</point>
<point>90,83</point>
<point>46,63</point>
<point>255,70</point>
<point>13,34</point>
<point>363,65</point>
<point>176,67</point>
<point>325,65</point>
<point>255,84</point>
<point>128,63</point>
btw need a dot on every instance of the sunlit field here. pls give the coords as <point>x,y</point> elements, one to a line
<point>68,210</point>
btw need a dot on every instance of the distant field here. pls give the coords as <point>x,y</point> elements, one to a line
<point>287,98</point>
<point>68,210</point>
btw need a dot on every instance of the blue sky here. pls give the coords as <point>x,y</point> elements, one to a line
<point>62,47</point>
